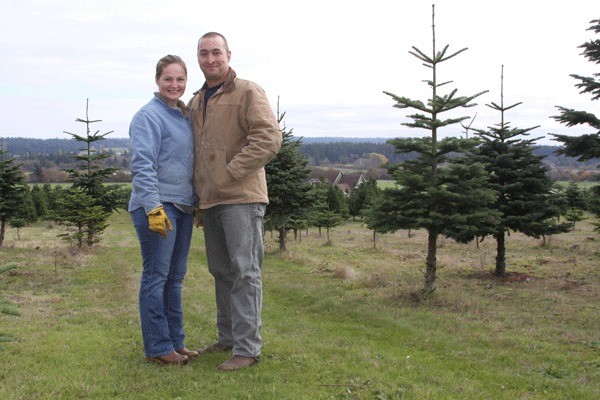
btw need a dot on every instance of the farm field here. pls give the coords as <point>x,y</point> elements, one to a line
<point>340,320</point>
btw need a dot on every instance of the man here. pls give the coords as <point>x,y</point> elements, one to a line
<point>236,134</point>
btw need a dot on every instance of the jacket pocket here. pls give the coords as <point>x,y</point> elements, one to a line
<point>216,183</point>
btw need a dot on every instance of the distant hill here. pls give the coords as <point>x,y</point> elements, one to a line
<point>319,150</point>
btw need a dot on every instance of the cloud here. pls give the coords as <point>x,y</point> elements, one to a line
<point>327,61</point>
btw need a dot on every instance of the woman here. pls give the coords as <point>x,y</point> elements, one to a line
<point>161,206</point>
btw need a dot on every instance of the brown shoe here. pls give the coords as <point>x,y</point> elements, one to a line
<point>189,353</point>
<point>238,362</point>
<point>170,359</point>
<point>214,348</point>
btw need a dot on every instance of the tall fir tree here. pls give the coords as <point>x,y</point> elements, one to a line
<point>587,146</point>
<point>430,194</point>
<point>520,180</point>
<point>287,181</point>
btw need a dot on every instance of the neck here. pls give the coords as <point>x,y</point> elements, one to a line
<point>212,84</point>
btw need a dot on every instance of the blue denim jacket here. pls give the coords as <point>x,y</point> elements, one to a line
<point>162,156</point>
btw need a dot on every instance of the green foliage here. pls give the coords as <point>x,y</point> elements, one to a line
<point>88,190</point>
<point>27,210</point>
<point>12,189</point>
<point>575,197</point>
<point>586,147</point>
<point>336,202</point>
<point>40,200</point>
<point>430,194</point>
<point>524,195</point>
<point>362,197</point>
<point>287,182</point>
<point>83,219</point>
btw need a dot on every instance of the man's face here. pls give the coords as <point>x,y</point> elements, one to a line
<point>213,59</point>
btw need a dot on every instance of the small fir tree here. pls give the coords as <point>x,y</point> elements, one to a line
<point>89,176</point>
<point>287,181</point>
<point>362,197</point>
<point>78,212</point>
<point>519,178</point>
<point>40,201</point>
<point>12,188</point>
<point>18,223</point>
<point>319,204</point>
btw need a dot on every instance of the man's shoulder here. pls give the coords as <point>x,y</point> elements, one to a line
<point>244,85</point>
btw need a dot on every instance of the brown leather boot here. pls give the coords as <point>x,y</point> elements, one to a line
<point>238,362</point>
<point>215,347</point>
<point>170,359</point>
<point>189,353</point>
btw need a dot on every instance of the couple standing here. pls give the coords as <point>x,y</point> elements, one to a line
<point>208,155</point>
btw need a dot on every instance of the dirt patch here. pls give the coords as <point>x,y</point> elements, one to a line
<point>508,279</point>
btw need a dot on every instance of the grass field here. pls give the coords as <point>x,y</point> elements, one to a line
<point>340,320</point>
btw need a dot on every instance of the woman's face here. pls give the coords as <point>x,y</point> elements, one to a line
<point>171,83</point>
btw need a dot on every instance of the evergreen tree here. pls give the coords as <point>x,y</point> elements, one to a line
<point>424,198</point>
<point>89,176</point>
<point>26,210</point>
<point>17,223</point>
<point>574,196</point>
<point>38,173</point>
<point>587,146</point>
<point>12,187</point>
<point>81,216</point>
<point>362,197</point>
<point>336,202</point>
<point>38,196</point>
<point>52,194</point>
<point>520,180</point>
<point>319,204</point>
<point>287,180</point>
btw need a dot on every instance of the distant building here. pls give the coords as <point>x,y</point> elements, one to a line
<point>346,182</point>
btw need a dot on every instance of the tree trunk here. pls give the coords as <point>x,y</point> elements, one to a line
<point>500,254</point>
<point>282,237</point>
<point>374,239</point>
<point>2,232</point>
<point>431,262</point>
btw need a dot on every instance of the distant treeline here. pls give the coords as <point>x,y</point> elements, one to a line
<point>319,151</point>
<point>33,147</point>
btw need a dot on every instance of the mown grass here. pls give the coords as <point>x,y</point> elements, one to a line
<point>340,320</point>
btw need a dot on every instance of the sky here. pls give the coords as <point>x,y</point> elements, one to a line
<point>324,63</point>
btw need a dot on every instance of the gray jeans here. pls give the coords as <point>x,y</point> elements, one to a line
<point>234,249</point>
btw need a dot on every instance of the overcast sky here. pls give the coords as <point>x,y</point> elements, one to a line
<point>327,61</point>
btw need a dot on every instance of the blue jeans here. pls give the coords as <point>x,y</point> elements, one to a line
<point>164,267</point>
<point>234,250</point>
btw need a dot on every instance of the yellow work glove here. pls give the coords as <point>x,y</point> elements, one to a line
<point>158,221</point>
<point>198,218</point>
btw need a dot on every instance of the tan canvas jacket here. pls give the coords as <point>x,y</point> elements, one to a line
<point>233,141</point>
